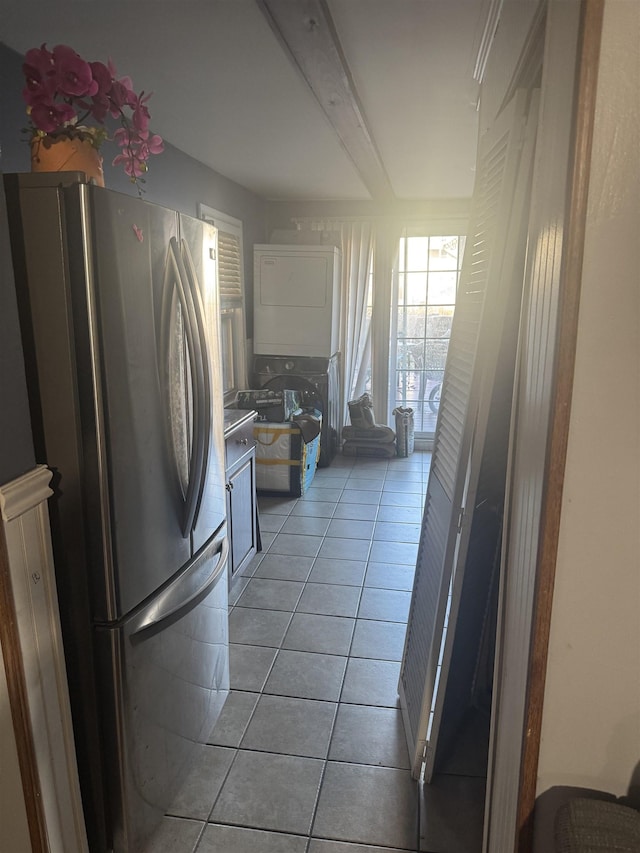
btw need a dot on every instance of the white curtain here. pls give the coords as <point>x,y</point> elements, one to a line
<point>369,255</point>
<point>386,243</point>
<point>355,325</point>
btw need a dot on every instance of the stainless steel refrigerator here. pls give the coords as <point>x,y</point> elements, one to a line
<point>119,316</point>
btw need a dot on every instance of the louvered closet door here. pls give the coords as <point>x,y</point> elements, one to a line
<point>495,365</point>
<point>229,264</point>
<point>472,337</point>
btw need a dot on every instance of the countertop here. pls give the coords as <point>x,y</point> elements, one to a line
<point>235,418</point>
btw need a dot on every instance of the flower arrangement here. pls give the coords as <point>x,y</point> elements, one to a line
<point>63,92</point>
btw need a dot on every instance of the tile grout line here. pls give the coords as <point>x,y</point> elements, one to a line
<point>361,587</point>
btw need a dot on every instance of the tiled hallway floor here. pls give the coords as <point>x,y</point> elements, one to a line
<point>309,754</point>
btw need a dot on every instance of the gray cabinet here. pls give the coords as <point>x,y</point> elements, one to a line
<point>240,462</point>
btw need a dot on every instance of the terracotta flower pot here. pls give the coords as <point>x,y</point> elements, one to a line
<point>67,155</point>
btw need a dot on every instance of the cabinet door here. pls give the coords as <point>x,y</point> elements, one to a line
<point>241,489</point>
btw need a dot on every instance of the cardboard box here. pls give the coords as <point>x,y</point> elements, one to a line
<point>285,464</point>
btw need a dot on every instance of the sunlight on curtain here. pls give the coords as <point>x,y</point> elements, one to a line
<point>369,258</point>
<point>387,240</point>
<point>356,243</point>
<point>355,313</point>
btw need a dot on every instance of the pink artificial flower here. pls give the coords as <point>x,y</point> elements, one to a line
<point>102,76</point>
<point>62,90</point>
<point>37,91</point>
<point>73,74</point>
<point>39,72</point>
<point>41,59</point>
<point>147,147</point>
<point>120,96</point>
<point>141,118</point>
<point>100,103</point>
<point>155,144</point>
<point>141,115</point>
<point>123,136</point>
<point>49,117</point>
<point>132,166</point>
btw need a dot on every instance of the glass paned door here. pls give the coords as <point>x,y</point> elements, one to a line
<point>428,273</point>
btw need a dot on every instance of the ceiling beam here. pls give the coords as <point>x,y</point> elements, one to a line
<point>306,32</point>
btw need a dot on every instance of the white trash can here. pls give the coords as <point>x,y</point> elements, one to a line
<point>405,431</point>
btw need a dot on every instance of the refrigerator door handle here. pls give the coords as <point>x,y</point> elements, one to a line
<point>185,592</point>
<point>202,395</point>
<point>196,456</point>
<point>200,323</point>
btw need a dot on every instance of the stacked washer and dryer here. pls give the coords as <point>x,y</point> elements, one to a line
<point>296,329</point>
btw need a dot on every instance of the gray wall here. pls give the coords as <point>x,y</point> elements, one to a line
<point>175,180</point>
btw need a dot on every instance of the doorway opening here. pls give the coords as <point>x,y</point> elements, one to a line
<point>423,305</point>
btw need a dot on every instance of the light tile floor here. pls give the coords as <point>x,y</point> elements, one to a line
<point>309,754</point>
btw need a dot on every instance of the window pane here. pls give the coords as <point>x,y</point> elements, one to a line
<point>436,356</point>
<point>443,254</point>
<point>411,353</point>
<point>429,270</point>
<point>416,288</point>
<point>417,253</point>
<point>411,323</point>
<point>408,385</point>
<point>439,320</point>
<point>442,288</point>
<point>401,288</point>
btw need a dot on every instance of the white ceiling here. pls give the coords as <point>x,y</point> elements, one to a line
<point>226,93</point>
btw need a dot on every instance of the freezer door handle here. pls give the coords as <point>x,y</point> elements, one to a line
<point>185,592</point>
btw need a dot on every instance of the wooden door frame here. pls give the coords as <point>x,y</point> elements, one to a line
<point>566,338</point>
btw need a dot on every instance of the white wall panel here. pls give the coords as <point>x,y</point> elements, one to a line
<point>591,718</point>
